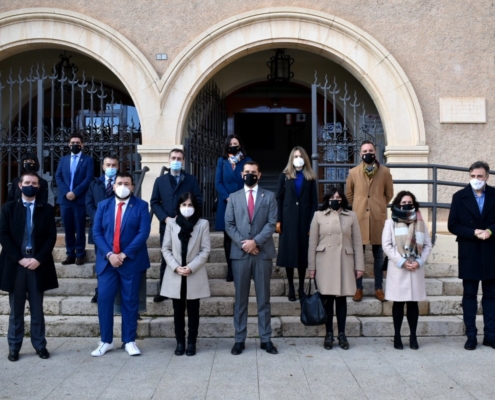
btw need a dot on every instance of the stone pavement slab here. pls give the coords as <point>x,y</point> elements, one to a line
<point>370,369</point>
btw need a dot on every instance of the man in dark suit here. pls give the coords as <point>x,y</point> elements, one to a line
<point>250,221</point>
<point>472,220</point>
<point>121,228</point>
<point>27,235</point>
<point>73,176</point>
<point>100,189</point>
<point>166,192</point>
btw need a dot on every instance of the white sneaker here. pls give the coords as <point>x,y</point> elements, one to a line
<point>102,349</point>
<point>132,349</point>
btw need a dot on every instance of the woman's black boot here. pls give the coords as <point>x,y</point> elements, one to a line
<point>181,347</point>
<point>191,349</point>
<point>328,343</point>
<point>292,292</point>
<point>343,343</point>
<point>413,342</point>
<point>398,343</point>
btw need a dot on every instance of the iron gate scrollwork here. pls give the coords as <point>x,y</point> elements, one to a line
<point>203,146</point>
<point>58,105</point>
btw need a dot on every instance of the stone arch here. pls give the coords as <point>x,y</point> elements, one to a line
<point>310,30</point>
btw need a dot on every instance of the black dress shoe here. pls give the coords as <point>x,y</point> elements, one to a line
<point>191,349</point>
<point>343,343</point>
<point>328,343</point>
<point>94,299</point>
<point>43,353</point>
<point>413,343</point>
<point>471,343</point>
<point>68,261</point>
<point>238,348</point>
<point>13,355</point>
<point>269,347</point>
<point>398,343</point>
<point>180,349</point>
<point>159,298</point>
<point>80,260</point>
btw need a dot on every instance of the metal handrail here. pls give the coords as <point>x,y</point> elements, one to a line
<point>139,183</point>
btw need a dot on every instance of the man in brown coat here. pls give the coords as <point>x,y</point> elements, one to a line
<point>369,188</point>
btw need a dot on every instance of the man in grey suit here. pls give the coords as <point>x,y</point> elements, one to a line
<point>250,221</point>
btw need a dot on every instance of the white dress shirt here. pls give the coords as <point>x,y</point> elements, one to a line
<point>255,192</point>
<point>124,207</point>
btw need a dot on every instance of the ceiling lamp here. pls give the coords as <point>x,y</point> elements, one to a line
<point>279,66</point>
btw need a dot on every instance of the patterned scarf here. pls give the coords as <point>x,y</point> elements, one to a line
<point>370,170</point>
<point>409,232</point>
<point>234,159</point>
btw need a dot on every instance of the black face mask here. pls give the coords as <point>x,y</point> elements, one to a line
<point>75,148</point>
<point>29,167</point>
<point>250,179</point>
<point>407,207</point>
<point>29,191</point>
<point>335,204</point>
<point>234,149</point>
<point>368,158</point>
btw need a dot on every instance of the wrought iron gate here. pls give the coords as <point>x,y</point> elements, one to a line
<point>206,134</point>
<point>337,139</point>
<point>39,111</point>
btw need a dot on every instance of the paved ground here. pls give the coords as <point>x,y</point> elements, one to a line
<point>371,369</point>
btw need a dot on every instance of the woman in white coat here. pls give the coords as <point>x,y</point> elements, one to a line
<point>186,247</point>
<point>407,244</point>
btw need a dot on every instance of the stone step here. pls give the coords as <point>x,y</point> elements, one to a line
<point>87,326</point>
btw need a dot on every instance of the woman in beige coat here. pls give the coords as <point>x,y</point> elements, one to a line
<point>407,245</point>
<point>186,247</point>
<point>335,259</point>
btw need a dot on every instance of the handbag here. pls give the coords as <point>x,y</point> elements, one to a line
<point>312,310</point>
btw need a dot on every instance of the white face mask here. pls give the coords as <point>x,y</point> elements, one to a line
<point>476,184</point>
<point>187,211</point>
<point>298,162</point>
<point>122,192</point>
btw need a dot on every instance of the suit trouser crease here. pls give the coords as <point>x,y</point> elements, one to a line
<point>74,220</point>
<point>110,281</point>
<point>377,267</point>
<point>25,283</point>
<point>260,270</point>
<point>180,306</point>
<point>470,306</point>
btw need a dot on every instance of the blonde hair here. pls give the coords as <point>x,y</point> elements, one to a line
<point>290,170</point>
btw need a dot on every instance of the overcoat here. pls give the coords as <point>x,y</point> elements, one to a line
<point>369,199</point>
<point>402,284</point>
<point>335,251</point>
<point>476,257</point>
<point>227,181</point>
<point>295,215</point>
<point>12,225</point>
<point>198,250</point>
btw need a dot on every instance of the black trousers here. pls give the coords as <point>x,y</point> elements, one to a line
<point>377,267</point>
<point>180,306</point>
<point>470,306</point>
<point>25,284</point>
<point>340,310</point>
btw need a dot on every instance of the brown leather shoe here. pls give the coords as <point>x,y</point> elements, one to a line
<point>379,295</point>
<point>358,296</point>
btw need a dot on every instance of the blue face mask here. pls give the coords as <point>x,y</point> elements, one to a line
<point>111,172</point>
<point>176,165</point>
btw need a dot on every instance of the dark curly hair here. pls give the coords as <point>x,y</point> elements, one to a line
<point>400,195</point>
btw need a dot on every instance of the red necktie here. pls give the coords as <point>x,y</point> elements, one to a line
<point>251,206</point>
<point>116,234</point>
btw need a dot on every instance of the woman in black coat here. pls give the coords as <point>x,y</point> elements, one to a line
<point>297,202</point>
<point>29,163</point>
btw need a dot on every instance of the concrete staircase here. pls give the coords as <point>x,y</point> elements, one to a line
<point>69,312</point>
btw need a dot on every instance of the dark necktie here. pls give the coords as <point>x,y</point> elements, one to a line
<point>29,223</point>
<point>116,234</point>
<point>251,206</point>
<point>109,189</point>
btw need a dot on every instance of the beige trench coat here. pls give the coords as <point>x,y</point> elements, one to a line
<point>402,284</point>
<point>335,252</point>
<point>369,199</point>
<point>198,250</point>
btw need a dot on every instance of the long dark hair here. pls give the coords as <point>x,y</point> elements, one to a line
<point>225,152</point>
<point>194,201</point>
<point>400,195</point>
<point>329,195</point>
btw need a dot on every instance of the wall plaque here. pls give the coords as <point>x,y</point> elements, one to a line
<point>462,110</point>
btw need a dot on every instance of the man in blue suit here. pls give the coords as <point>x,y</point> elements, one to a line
<point>73,176</point>
<point>121,228</point>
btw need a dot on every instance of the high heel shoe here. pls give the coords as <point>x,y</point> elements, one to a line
<point>292,293</point>
<point>398,343</point>
<point>413,342</point>
<point>328,343</point>
<point>343,343</point>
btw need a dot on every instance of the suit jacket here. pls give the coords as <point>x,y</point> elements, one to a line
<point>82,178</point>
<point>262,227</point>
<point>476,257</point>
<point>96,192</point>
<point>198,250</point>
<point>165,196</point>
<point>227,181</point>
<point>134,232</point>
<point>12,226</point>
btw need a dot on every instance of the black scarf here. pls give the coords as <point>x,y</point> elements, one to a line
<point>187,226</point>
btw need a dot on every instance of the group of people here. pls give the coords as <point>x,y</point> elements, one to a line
<point>327,244</point>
